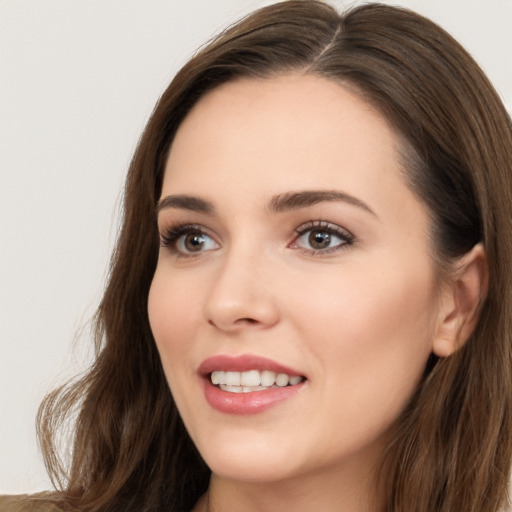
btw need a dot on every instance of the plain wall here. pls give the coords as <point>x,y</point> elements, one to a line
<point>78,80</point>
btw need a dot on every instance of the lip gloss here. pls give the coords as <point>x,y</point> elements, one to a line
<point>252,402</point>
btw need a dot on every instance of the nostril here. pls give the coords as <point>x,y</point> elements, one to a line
<point>247,320</point>
<point>239,322</point>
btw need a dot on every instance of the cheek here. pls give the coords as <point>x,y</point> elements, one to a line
<point>361,307</point>
<point>371,336</point>
<point>173,307</point>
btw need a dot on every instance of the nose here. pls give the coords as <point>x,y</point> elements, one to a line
<point>242,295</point>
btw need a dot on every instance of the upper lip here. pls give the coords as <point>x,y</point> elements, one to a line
<point>243,363</point>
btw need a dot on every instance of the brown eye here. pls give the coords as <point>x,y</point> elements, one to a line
<point>322,237</point>
<point>187,240</point>
<point>319,239</point>
<point>194,242</point>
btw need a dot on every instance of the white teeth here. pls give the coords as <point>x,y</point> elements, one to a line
<point>282,380</point>
<point>295,380</point>
<point>218,377</point>
<point>267,378</point>
<point>232,378</point>
<point>241,389</point>
<point>252,380</point>
<point>231,389</point>
<point>249,389</point>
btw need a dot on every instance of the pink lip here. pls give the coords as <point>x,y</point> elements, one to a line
<point>245,403</point>
<point>243,363</point>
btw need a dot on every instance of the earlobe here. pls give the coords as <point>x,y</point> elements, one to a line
<point>461,302</point>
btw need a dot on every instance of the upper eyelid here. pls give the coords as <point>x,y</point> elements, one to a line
<point>319,224</point>
<point>323,224</point>
<point>179,229</point>
<point>347,239</point>
<point>171,235</point>
<point>311,224</point>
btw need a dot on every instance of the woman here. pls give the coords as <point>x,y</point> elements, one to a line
<point>316,261</point>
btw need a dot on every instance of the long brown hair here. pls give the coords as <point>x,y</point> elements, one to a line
<point>452,446</point>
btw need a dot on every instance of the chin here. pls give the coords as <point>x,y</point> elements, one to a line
<point>259,472</point>
<point>256,460</point>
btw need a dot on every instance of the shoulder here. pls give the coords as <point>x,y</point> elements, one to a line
<point>41,502</point>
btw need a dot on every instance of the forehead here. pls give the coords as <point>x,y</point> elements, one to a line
<point>265,137</point>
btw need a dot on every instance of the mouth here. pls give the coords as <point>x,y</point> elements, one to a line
<point>248,384</point>
<point>252,380</point>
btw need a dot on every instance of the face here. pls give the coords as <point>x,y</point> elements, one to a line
<point>294,273</point>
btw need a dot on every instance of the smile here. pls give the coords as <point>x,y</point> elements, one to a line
<point>253,380</point>
<point>248,384</point>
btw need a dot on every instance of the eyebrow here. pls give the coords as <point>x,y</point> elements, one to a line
<point>185,202</point>
<point>296,200</point>
<point>278,204</point>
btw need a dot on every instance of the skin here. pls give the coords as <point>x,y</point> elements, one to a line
<point>359,320</point>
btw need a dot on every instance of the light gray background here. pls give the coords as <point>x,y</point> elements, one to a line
<point>78,81</point>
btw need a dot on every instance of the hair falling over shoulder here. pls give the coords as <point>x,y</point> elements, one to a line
<point>452,447</point>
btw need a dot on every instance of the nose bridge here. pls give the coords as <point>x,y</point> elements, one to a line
<point>240,294</point>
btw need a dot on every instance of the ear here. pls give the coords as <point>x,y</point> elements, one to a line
<point>460,302</point>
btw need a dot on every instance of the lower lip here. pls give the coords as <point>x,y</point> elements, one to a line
<point>254,402</point>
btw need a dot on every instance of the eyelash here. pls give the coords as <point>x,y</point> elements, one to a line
<point>172,234</point>
<point>329,228</point>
